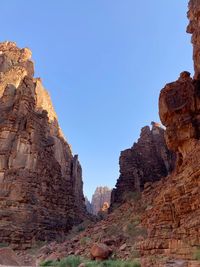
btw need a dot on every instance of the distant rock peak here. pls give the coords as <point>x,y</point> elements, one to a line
<point>100,199</point>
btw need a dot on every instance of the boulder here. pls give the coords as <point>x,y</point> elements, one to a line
<point>100,251</point>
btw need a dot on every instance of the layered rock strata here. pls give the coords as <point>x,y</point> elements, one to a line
<point>147,161</point>
<point>40,179</point>
<point>173,217</point>
<point>193,28</point>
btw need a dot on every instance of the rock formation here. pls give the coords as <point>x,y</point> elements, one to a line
<point>88,205</point>
<point>147,161</point>
<point>173,219</point>
<point>193,28</point>
<point>40,179</point>
<point>99,198</point>
<point>105,207</point>
<point>101,195</point>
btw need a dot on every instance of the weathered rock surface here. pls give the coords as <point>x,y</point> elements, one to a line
<point>100,196</point>
<point>147,161</point>
<point>88,205</point>
<point>173,219</point>
<point>105,207</point>
<point>8,257</point>
<point>193,28</point>
<point>40,179</point>
<point>100,251</point>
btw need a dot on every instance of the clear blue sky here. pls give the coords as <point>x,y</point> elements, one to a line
<point>104,63</point>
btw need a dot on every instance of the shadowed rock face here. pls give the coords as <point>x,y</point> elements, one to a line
<point>40,179</point>
<point>193,28</point>
<point>147,161</point>
<point>88,205</point>
<point>173,219</point>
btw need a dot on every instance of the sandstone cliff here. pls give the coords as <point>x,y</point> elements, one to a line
<point>40,179</point>
<point>100,196</point>
<point>173,219</point>
<point>147,161</point>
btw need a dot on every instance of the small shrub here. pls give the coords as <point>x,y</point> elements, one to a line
<point>115,206</point>
<point>47,263</point>
<point>112,229</point>
<point>75,261</point>
<point>71,261</point>
<point>135,219</point>
<point>135,232</point>
<point>78,228</point>
<point>117,212</point>
<point>134,254</point>
<point>4,245</point>
<point>197,253</point>
<point>84,241</point>
<point>127,214</point>
<point>97,236</point>
<point>142,231</point>
<point>130,228</point>
<point>136,196</point>
<point>102,215</point>
<point>81,227</point>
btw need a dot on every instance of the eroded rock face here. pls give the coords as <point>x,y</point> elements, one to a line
<point>179,109</point>
<point>100,196</point>
<point>88,205</point>
<point>147,161</point>
<point>40,179</point>
<point>193,28</point>
<point>173,217</point>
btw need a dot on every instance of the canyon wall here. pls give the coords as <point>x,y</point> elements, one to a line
<point>147,161</point>
<point>88,205</point>
<point>41,195</point>
<point>173,217</point>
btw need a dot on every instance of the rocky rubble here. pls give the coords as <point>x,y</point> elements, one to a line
<point>40,179</point>
<point>147,161</point>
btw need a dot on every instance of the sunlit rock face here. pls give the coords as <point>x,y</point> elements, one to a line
<point>179,102</point>
<point>148,160</point>
<point>179,109</point>
<point>40,179</point>
<point>101,196</point>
